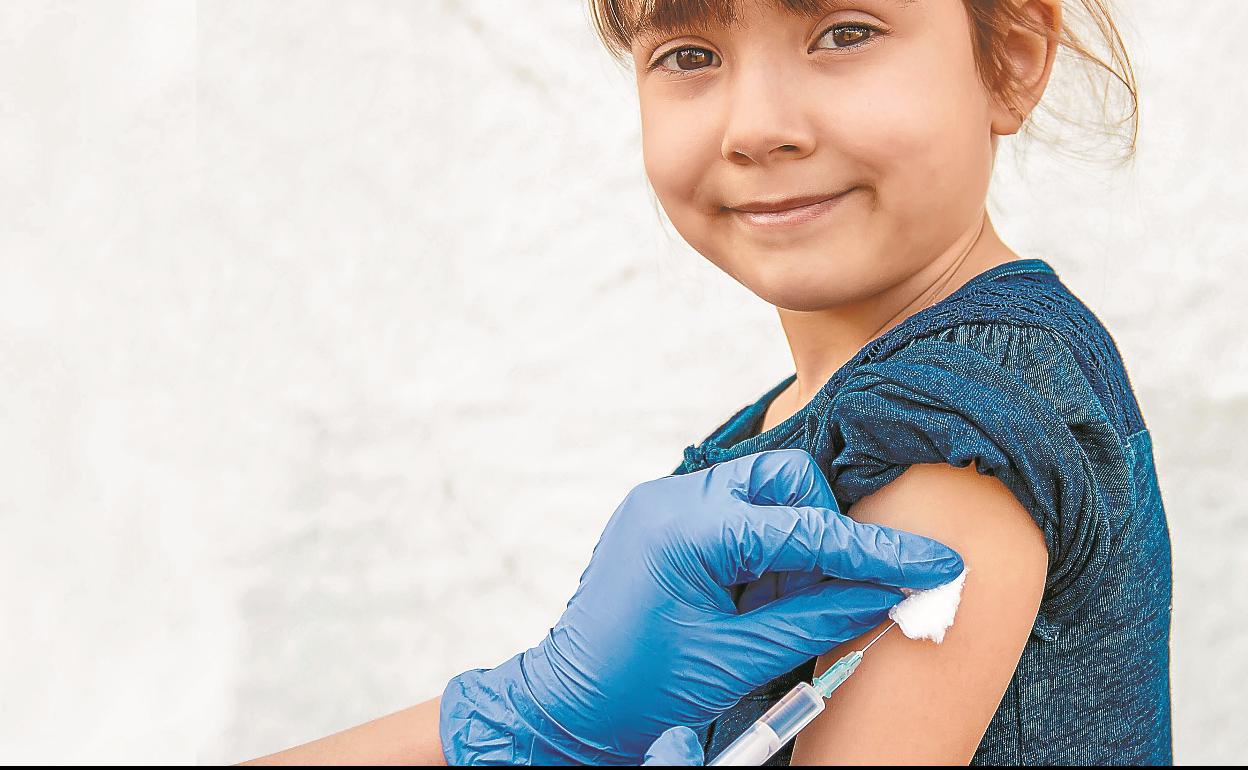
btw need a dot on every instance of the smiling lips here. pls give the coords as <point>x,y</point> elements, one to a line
<point>801,210</point>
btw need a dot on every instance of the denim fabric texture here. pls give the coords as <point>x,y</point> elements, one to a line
<point>1014,373</point>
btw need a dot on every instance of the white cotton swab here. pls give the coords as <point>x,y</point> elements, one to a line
<point>928,614</point>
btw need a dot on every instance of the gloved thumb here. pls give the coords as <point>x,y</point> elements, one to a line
<point>782,477</point>
<point>676,746</point>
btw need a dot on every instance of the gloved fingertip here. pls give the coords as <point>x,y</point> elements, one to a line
<point>677,746</point>
<point>954,565</point>
<point>788,477</point>
<point>928,563</point>
<point>946,564</point>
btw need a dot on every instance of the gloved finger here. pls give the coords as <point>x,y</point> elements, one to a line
<point>810,622</point>
<point>783,477</point>
<point>792,582</point>
<point>767,538</point>
<point>676,746</point>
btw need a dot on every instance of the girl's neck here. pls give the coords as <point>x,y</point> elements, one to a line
<point>822,341</point>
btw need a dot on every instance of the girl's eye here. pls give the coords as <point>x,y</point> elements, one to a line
<point>851,35</point>
<point>689,55</point>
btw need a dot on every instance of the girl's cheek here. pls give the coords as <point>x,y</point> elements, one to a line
<point>679,158</point>
<point>916,144</point>
<point>922,111</point>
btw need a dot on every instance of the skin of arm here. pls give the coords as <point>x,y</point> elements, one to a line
<point>914,701</point>
<point>407,737</point>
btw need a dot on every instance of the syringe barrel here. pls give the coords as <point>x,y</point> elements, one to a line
<point>773,729</point>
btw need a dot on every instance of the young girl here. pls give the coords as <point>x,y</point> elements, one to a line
<point>834,157</point>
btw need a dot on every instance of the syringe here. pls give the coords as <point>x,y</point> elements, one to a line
<point>791,713</point>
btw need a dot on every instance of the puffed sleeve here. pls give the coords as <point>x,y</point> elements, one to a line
<point>1014,401</point>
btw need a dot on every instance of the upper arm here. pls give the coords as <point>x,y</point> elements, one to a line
<point>913,701</point>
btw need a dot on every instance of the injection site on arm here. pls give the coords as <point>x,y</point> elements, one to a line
<point>928,614</point>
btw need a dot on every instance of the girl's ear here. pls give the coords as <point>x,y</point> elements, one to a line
<point>1030,56</point>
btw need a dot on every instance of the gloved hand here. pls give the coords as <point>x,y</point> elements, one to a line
<point>652,638</point>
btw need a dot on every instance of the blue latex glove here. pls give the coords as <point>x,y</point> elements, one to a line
<point>652,637</point>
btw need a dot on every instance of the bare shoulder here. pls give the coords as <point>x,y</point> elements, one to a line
<point>959,506</point>
<point>916,701</point>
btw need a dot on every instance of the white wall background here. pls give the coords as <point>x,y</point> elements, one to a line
<point>314,316</point>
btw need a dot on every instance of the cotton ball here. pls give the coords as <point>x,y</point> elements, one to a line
<point>928,614</point>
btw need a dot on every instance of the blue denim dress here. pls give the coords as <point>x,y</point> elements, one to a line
<point>1016,374</point>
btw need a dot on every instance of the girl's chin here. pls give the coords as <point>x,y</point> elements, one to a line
<point>804,290</point>
<point>798,297</point>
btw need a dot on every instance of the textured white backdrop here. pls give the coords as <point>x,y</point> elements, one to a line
<point>331,333</point>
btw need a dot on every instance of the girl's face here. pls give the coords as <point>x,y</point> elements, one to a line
<point>878,102</point>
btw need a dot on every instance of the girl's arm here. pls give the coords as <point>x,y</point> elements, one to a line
<point>914,701</point>
<point>407,737</point>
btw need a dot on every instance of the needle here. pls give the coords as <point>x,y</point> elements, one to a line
<point>881,636</point>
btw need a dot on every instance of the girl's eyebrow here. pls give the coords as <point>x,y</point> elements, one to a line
<point>665,18</point>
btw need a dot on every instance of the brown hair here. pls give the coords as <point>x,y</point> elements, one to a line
<point>990,21</point>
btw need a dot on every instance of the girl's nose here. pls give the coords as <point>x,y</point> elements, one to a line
<point>764,119</point>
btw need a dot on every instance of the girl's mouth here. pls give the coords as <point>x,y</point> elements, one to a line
<point>789,217</point>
